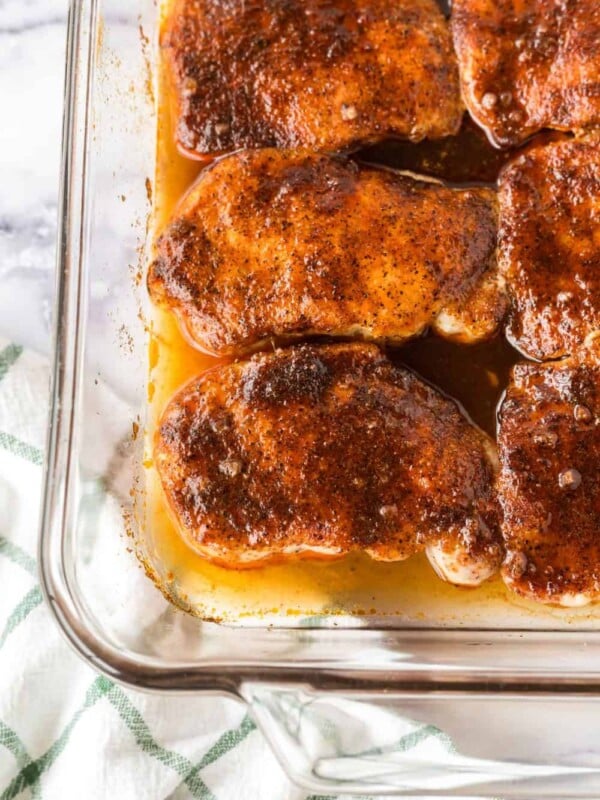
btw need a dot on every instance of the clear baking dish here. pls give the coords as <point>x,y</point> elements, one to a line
<point>507,698</point>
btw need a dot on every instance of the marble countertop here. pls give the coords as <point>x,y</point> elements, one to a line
<point>32,53</point>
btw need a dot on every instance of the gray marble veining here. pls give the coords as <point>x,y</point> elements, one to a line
<point>32,49</point>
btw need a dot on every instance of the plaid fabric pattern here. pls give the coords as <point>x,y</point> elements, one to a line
<point>65,731</point>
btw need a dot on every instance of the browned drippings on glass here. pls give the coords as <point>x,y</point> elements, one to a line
<point>474,375</point>
<point>467,158</point>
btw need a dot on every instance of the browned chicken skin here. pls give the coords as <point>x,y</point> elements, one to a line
<point>320,450</point>
<point>549,440</point>
<point>529,64</point>
<point>324,74</point>
<point>549,245</point>
<point>272,243</point>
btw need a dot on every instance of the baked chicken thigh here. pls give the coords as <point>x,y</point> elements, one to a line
<point>309,73</point>
<point>549,245</point>
<point>529,64</point>
<point>279,244</point>
<point>320,450</point>
<point>549,484</point>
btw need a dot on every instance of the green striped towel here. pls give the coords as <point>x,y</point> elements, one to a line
<point>65,731</point>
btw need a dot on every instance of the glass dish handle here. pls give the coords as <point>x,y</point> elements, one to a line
<point>331,742</point>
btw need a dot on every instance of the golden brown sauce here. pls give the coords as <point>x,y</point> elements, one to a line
<point>474,375</point>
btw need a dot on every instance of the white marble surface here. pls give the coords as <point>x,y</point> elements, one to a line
<point>32,50</point>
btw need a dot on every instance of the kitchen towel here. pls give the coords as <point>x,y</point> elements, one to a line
<point>65,731</point>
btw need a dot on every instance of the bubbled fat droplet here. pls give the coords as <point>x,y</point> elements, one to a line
<point>582,413</point>
<point>546,438</point>
<point>388,511</point>
<point>569,479</point>
<point>489,100</point>
<point>516,563</point>
<point>230,467</point>
<point>348,112</point>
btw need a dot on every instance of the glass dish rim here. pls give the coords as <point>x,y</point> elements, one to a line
<point>456,674</point>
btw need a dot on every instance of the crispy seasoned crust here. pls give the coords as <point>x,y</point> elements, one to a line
<point>309,73</point>
<point>529,64</point>
<point>325,449</point>
<point>274,243</point>
<point>549,483</point>
<point>549,245</point>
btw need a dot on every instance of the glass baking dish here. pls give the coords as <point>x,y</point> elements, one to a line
<point>511,700</point>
